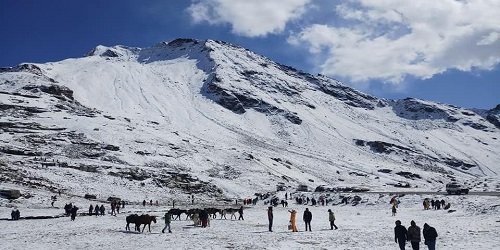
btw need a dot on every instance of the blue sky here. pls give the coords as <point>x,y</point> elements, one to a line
<point>386,49</point>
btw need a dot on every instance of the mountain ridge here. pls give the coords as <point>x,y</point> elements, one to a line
<point>209,117</point>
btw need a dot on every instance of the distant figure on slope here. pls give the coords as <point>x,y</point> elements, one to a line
<point>74,209</point>
<point>394,211</point>
<point>117,207</point>
<point>91,209</point>
<point>270,217</point>
<point>286,196</point>
<point>96,210</point>
<point>151,202</point>
<point>168,219</point>
<point>143,203</point>
<point>113,208</point>
<point>240,212</point>
<point>430,236</point>
<point>102,209</point>
<point>123,204</point>
<point>307,218</point>
<point>400,235</point>
<point>13,214</point>
<point>331,218</point>
<point>293,222</point>
<point>414,235</point>
<point>443,203</point>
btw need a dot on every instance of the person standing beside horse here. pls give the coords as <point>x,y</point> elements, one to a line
<point>240,212</point>
<point>168,219</point>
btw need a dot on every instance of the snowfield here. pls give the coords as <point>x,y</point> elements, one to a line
<point>369,225</point>
<point>217,121</point>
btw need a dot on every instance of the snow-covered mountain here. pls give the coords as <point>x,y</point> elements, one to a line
<point>211,118</point>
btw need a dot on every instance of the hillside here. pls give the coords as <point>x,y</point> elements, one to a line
<point>219,121</point>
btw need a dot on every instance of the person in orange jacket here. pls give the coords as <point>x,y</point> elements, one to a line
<point>293,215</point>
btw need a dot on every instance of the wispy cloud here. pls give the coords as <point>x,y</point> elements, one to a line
<point>250,18</point>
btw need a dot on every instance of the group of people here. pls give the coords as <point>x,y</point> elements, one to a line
<point>435,204</point>
<point>402,235</point>
<point>307,217</point>
<point>70,209</point>
<point>97,210</point>
<point>15,214</point>
<point>151,202</point>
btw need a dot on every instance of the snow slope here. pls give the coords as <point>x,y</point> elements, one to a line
<point>214,119</point>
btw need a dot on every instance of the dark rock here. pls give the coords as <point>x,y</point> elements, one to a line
<point>384,170</point>
<point>10,194</point>
<point>90,197</point>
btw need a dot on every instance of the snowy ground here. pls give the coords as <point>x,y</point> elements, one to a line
<point>474,225</point>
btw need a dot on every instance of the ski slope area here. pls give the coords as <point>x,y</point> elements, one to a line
<point>215,119</point>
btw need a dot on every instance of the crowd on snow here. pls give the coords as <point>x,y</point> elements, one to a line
<point>201,217</point>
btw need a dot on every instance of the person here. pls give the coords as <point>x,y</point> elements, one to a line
<point>414,235</point>
<point>443,203</point>
<point>331,218</point>
<point>192,199</point>
<point>307,218</point>
<point>168,219</point>
<point>102,209</point>
<point>143,203</point>
<point>204,218</point>
<point>270,218</point>
<point>18,214</point>
<point>123,204</point>
<point>394,210</point>
<point>117,207</point>
<point>430,236</point>
<point>293,215</point>
<point>240,212</point>
<point>96,210</point>
<point>13,214</point>
<point>286,196</point>
<point>91,209</point>
<point>400,235</point>
<point>113,208</point>
<point>74,209</point>
<point>151,202</point>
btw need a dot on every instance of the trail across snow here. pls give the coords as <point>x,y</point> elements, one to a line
<point>366,226</point>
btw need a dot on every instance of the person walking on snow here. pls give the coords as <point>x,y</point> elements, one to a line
<point>400,235</point>
<point>91,209</point>
<point>168,219</point>
<point>331,218</point>
<point>270,218</point>
<point>293,215</point>
<point>394,211</point>
<point>307,218</point>
<point>430,236</point>
<point>414,235</point>
<point>240,212</point>
<point>96,210</point>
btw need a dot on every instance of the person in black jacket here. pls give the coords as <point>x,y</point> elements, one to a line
<point>240,212</point>
<point>430,236</point>
<point>413,235</point>
<point>270,218</point>
<point>400,235</point>
<point>307,218</point>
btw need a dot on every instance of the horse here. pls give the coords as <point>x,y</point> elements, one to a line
<point>213,211</point>
<point>191,212</point>
<point>176,213</point>
<point>132,219</point>
<point>145,219</point>
<point>231,211</point>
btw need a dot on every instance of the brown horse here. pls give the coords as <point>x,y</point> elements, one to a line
<point>145,219</point>
<point>132,219</point>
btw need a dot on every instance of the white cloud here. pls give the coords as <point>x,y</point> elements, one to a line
<point>391,39</point>
<point>250,18</point>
